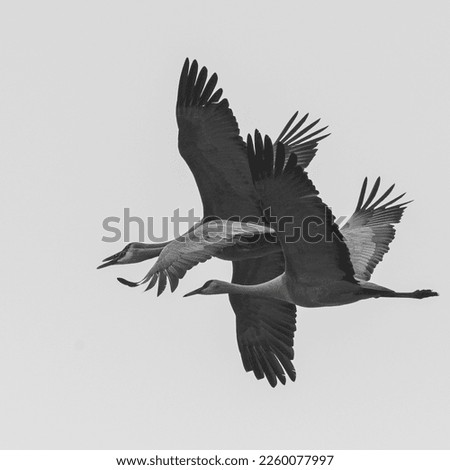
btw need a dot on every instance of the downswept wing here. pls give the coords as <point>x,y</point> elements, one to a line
<point>209,142</point>
<point>370,229</point>
<point>265,327</point>
<point>314,249</point>
<point>198,245</point>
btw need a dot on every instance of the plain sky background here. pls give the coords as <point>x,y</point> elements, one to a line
<point>87,110</point>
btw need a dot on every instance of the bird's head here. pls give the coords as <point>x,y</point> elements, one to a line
<point>130,254</point>
<point>209,288</point>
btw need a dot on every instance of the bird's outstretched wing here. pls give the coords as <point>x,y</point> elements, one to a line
<point>314,249</point>
<point>370,229</point>
<point>296,139</point>
<point>210,143</point>
<point>200,244</point>
<point>265,327</point>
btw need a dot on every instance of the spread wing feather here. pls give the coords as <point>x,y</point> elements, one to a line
<point>210,143</point>
<point>314,248</point>
<point>370,229</point>
<point>265,327</point>
<point>295,141</point>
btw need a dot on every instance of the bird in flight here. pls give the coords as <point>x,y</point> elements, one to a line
<point>210,143</point>
<point>319,270</point>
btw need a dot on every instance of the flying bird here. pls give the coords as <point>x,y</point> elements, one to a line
<point>320,270</point>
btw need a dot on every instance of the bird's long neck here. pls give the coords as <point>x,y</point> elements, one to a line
<point>145,251</point>
<point>274,289</point>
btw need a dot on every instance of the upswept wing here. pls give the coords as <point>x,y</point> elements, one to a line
<point>297,139</point>
<point>210,143</point>
<point>265,327</point>
<point>370,229</point>
<point>314,249</point>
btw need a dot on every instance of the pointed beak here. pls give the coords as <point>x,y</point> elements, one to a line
<point>196,291</point>
<point>110,260</point>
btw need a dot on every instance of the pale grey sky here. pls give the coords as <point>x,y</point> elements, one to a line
<point>88,127</point>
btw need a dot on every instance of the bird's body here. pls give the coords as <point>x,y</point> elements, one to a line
<point>310,295</point>
<point>324,294</point>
